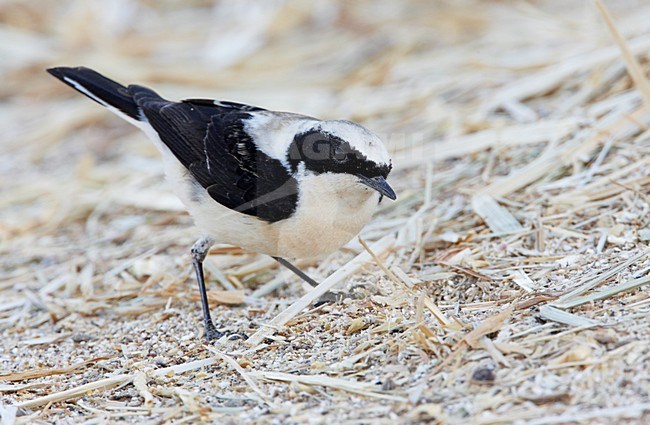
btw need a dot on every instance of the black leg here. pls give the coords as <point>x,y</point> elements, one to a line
<point>199,251</point>
<point>328,297</point>
<point>297,271</point>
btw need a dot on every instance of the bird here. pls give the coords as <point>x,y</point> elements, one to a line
<point>277,183</point>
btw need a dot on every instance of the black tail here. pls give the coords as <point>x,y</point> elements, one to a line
<point>102,90</point>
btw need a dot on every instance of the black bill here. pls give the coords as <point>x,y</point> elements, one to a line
<point>379,184</point>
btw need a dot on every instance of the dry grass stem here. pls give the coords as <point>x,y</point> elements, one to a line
<point>508,283</point>
<point>73,393</point>
<point>325,286</point>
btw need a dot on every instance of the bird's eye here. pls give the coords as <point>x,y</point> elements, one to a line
<point>342,156</point>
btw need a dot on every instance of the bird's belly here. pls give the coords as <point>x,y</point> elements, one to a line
<point>315,240</point>
<point>309,234</point>
<point>323,227</point>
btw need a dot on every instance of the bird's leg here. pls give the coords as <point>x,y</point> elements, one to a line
<point>326,298</point>
<point>199,251</point>
<point>297,271</point>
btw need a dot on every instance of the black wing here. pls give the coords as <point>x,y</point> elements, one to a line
<point>209,139</point>
<point>224,104</point>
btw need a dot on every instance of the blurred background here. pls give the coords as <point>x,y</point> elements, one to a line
<point>526,101</point>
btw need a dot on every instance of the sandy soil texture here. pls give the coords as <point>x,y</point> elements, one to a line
<point>507,284</point>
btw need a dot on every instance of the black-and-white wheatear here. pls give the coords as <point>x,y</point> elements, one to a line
<point>282,184</point>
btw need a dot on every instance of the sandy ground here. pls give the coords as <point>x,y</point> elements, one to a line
<point>508,284</point>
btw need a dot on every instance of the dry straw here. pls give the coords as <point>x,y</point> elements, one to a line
<point>508,282</point>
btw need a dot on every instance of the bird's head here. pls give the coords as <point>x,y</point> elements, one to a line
<point>342,148</point>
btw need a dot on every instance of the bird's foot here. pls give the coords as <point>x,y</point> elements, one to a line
<point>332,298</point>
<point>212,334</point>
